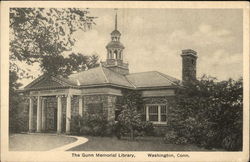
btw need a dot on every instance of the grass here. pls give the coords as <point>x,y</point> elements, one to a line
<point>37,142</point>
<point>139,144</point>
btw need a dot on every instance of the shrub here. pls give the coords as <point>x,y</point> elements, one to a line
<point>147,127</point>
<point>130,123</point>
<point>232,142</point>
<point>170,137</point>
<point>92,124</point>
<point>209,114</point>
<point>181,140</point>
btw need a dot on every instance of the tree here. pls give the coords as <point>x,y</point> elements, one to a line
<point>130,119</point>
<point>39,32</point>
<point>58,65</point>
<point>16,124</point>
<point>42,35</point>
<point>209,113</point>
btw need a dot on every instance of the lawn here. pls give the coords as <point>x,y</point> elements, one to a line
<point>140,144</point>
<point>37,142</point>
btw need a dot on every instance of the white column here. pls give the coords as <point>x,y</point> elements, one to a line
<point>31,114</point>
<point>68,114</point>
<point>80,105</point>
<point>43,114</point>
<point>38,117</point>
<point>147,115</point>
<point>159,113</point>
<point>59,114</point>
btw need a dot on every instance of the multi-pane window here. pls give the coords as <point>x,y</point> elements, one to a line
<point>153,113</point>
<point>163,113</point>
<point>156,113</point>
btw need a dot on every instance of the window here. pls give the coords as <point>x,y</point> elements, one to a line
<point>156,113</point>
<point>95,108</point>
<point>163,113</point>
<point>115,54</point>
<point>153,113</point>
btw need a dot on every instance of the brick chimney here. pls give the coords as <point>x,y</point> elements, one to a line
<point>189,58</point>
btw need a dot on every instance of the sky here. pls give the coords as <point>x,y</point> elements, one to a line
<point>154,39</point>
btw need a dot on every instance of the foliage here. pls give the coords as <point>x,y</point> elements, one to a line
<point>131,99</point>
<point>130,119</point>
<point>43,35</point>
<point>170,137</point>
<point>39,32</point>
<point>39,35</point>
<point>58,65</point>
<point>16,118</point>
<point>91,124</point>
<point>209,113</point>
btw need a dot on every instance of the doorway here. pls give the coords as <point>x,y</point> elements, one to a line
<point>51,114</point>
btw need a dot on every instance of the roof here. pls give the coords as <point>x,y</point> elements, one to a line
<point>116,32</point>
<point>152,79</point>
<point>97,76</point>
<point>101,76</point>
<point>115,44</point>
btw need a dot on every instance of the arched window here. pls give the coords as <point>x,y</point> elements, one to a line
<point>115,54</point>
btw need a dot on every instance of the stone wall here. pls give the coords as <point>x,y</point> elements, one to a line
<point>157,100</point>
<point>108,102</point>
<point>111,106</point>
<point>74,106</point>
<point>160,129</point>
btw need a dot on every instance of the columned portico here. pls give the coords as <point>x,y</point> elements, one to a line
<point>31,119</point>
<point>68,113</point>
<point>80,106</point>
<point>39,115</point>
<point>43,114</point>
<point>56,107</point>
<point>59,114</point>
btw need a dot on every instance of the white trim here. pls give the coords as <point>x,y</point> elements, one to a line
<point>147,115</point>
<point>107,81</point>
<point>80,106</point>
<point>158,113</point>
<point>160,123</point>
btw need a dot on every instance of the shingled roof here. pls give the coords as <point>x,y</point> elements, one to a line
<point>98,76</point>
<point>101,76</point>
<point>151,79</point>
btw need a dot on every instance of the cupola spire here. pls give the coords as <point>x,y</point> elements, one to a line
<point>116,19</point>
<point>115,49</point>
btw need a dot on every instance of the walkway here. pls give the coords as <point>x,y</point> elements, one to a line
<point>43,142</point>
